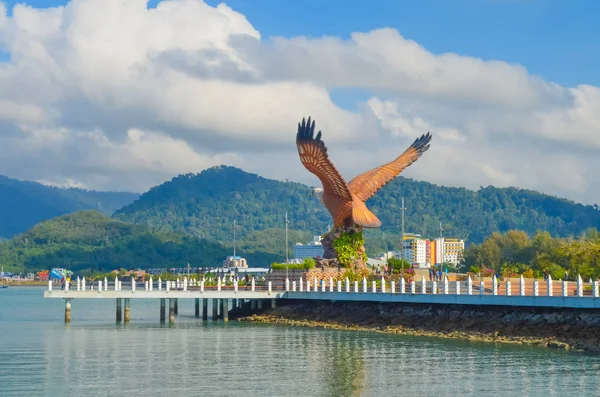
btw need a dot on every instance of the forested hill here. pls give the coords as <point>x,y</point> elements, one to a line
<point>24,204</point>
<point>206,204</point>
<point>88,240</point>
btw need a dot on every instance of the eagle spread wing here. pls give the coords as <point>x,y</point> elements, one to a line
<point>367,184</point>
<point>313,155</point>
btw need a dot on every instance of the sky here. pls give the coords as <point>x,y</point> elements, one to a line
<point>125,94</point>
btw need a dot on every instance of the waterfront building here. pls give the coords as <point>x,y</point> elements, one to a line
<point>313,249</point>
<point>235,262</point>
<point>449,250</point>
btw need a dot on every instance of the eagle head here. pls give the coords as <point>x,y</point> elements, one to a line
<point>316,192</point>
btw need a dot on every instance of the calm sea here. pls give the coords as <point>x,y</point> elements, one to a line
<point>40,356</point>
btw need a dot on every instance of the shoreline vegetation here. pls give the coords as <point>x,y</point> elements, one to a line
<point>552,328</point>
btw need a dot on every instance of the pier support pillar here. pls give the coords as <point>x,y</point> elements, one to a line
<point>119,310</point>
<point>253,304</point>
<point>197,307</point>
<point>273,303</point>
<point>215,311</point>
<point>204,309</point>
<point>172,310</point>
<point>67,310</point>
<point>176,306</point>
<point>127,310</point>
<point>260,304</point>
<point>225,309</point>
<point>162,310</point>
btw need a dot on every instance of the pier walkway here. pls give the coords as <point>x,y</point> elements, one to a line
<point>524,293</point>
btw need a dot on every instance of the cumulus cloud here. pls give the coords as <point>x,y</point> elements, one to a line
<point>110,94</point>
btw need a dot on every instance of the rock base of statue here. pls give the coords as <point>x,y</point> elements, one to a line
<point>330,255</point>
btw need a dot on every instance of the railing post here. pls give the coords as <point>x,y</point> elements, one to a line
<point>99,286</point>
<point>132,284</point>
<point>549,281</point>
<point>294,286</point>
<point>364,285</point>
<point>301,284</point>
<point>49,284</point>
<point>83,284</point>
<point>402,285</point>
<point>536,288</point>
<point>105,284</point>
<point>160,283</point>
<point>330,284</point>
<point>78,284</point>
<point>596,292</point>
<point>382,285</point>
<point>508,288</point>
<point>168,286</point>
<point>522,286</point>
<point>202,287</point>
<point>253,284</point>
<point>287,284</point>
<point>433,287</point>
<point>457,288</point>
<point>373,286</point>
<point>446,289</point>
<point>356,286</point>
<point>307,285</point>
<point>185,283</point>
<point>235,286</point>
<point>315,285</point>
<point>151,284</point>
<point>565,288</point>
<point>392,287</point>
<point>339,286</point>
<point>413,287</point>
<point>579,286</point>
<point>423,285</point>
<point>219,284</point>
<point>146,286</point>
<point>469,286</point>
<point>322,285</point>
<point>270,287</point>
<point>347,284</point>
<point>494,285</point>
<point>481,287</point>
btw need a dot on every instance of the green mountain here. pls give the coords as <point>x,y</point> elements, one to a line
<point>24,204</point>
<point>206,204</point>
<point>89,240</point>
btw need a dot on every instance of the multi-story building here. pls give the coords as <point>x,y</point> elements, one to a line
<point>415,250</point>
<point>235,262</point>
<point>448,250</point>
<point>311,250</point>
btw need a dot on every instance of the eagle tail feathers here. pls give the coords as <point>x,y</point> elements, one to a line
<point>363,217</point>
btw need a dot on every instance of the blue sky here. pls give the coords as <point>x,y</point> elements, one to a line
<point>556,39</point>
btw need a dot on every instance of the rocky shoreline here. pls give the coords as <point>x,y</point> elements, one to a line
<point>554,328</point>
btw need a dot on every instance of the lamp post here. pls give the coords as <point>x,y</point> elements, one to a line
<point>286,246</point>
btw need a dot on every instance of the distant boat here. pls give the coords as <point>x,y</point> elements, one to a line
<point>2,279</point>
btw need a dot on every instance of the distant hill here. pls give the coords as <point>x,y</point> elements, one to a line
<point>89,240</point>
<point>205,205</point>
<point>24,204</point>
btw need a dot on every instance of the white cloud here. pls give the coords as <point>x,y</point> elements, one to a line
<point>108,94</point>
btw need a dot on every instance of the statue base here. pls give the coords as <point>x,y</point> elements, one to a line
<point>353,255</point>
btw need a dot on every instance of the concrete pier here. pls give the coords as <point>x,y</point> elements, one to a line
<point>127,310</point>
<point>197,307</point>
<point>162,309</point>
<point>225,309</point>
<point>204,309</point>
<point>119,310</point>
<point>172,310</point>
<point>67,310</point>
<point>215,309</point>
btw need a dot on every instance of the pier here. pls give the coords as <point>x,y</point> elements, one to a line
<point>522,293</point>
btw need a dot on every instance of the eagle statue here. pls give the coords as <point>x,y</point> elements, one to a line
<point>346,201</point>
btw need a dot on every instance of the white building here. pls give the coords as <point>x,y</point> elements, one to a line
<point>311,250</point>
<point>449,250</point>
<point>415,251</point>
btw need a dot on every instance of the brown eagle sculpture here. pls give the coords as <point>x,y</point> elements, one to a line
<point>346,201</point>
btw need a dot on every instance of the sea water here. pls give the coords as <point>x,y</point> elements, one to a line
<point>94,356</point>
